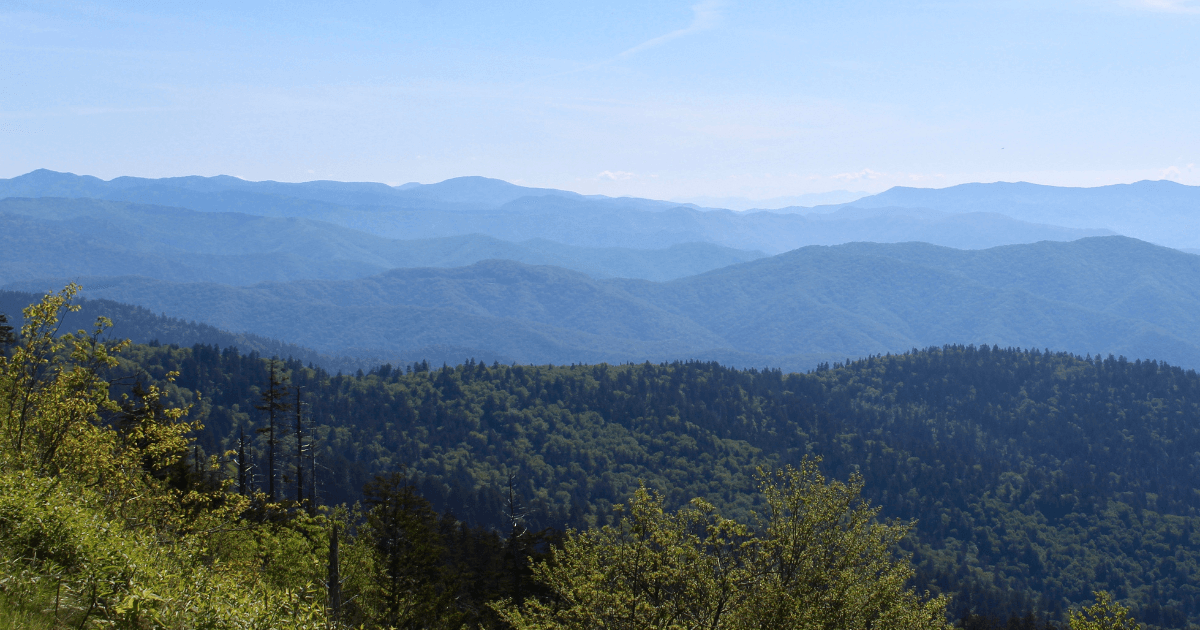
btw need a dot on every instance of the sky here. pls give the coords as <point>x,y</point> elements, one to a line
<point>668,100</point>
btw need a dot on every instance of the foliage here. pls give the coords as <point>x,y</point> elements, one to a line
<point>1105,614</point>
<point>1035,478</point>
<point>827,562</point>
<point>652,570</point>
<point>49,394</point>
<point>821,561</point>
<point>66,559</point>
<point>104,522</point>
<point>101,527</point>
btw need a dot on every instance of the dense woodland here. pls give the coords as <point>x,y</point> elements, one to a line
<point>1034,478</point>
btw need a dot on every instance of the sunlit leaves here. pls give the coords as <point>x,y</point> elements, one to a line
<point>820,560</point>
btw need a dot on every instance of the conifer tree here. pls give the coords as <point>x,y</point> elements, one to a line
<point>274,402</point>
<point>402,530</point>
<point>7,338</point>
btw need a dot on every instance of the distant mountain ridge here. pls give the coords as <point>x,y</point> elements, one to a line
<point>463,206</point>
<point>470,192</point>
<point>52,237</point>
<point>1108,295</point>
<point>1164,212</point>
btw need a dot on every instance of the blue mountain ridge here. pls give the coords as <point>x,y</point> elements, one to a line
<point>1104,295</point>
<point>457,208</point>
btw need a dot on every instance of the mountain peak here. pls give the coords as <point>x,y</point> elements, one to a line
<point>474,189</point>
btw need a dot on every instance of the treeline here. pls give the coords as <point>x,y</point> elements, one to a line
<point>1036,477</point>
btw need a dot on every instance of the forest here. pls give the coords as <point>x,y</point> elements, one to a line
<point>158,486</point>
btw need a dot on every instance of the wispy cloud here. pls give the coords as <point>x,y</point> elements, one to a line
<point>1169,6</point>
<point>705,15</point>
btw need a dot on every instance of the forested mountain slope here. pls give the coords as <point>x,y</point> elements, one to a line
<point>140,325</point>
<point>532,314</point>
<point>1110,295</point>
<point>1036,477</point>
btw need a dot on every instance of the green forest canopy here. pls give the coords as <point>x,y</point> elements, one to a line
<point>1036,477</point>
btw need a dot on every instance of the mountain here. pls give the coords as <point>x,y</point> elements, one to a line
<point>55,237</point>
<point>141,326</point>
<point>531,313</point>
<point>1162,212</point>
<point>459,192</point>
<point>1102,295</point>
<point>464,206</point>
<point>1105,295</point>
<point>582,222</point>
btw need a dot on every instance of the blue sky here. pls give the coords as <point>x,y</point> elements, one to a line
<point>663,99</point>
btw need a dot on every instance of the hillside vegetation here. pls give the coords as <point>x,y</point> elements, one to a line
<point>1035,478</point>
<point>1109,295</point>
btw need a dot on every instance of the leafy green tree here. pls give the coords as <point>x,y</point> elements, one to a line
<point>100,524</point>
<point>51,397</point>
<point>1104,614</point>
<point>826,562</point>
<point>821,561</point>
<point>653,570</point>
<point>154,432</point>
